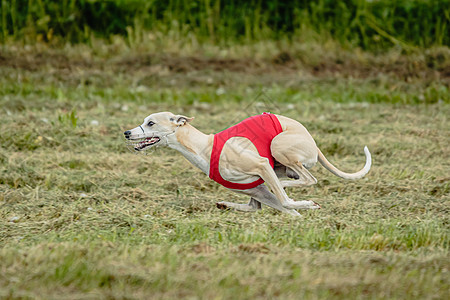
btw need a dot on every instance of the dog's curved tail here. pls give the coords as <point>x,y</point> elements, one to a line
<point>327,165</point>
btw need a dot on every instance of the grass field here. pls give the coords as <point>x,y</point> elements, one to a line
<point>81,217</point>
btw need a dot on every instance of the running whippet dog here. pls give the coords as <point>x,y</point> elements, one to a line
<point>257,150</point>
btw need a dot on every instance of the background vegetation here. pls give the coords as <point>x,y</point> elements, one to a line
<point>83,218</point>
<point>372,25</point>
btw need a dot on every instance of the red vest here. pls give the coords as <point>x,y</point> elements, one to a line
<point>260,130</point>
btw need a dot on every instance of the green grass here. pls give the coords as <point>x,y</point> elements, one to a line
<point>82,217</point>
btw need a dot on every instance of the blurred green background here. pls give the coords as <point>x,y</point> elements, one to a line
<point>371,25</point>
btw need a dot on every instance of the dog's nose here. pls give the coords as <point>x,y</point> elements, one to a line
<point>127,133</point>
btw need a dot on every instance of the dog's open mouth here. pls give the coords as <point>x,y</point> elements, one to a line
<point>146,143</point>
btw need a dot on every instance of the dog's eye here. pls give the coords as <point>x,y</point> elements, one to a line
<point>149,124</point>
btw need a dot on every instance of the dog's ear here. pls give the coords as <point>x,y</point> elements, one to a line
<point>180,120</point>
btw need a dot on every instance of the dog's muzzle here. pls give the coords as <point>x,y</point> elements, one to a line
<point>140,144</point>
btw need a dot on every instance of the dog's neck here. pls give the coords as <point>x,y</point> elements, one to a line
<point>194,145</point>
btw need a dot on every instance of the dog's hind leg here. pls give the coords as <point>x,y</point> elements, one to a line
<point>264,196</point>
<point>305,178</point>
<point>269,176</point>
<point>292,150</point>
<point>253,205</point>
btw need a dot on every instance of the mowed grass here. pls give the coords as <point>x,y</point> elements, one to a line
<point>82,217</point>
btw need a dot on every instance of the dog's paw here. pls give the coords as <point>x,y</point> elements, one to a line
<point>221,205</point>
<point>304,204</point>
<point>315,205</point>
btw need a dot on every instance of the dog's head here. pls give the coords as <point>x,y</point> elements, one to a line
<point>156,130</point>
